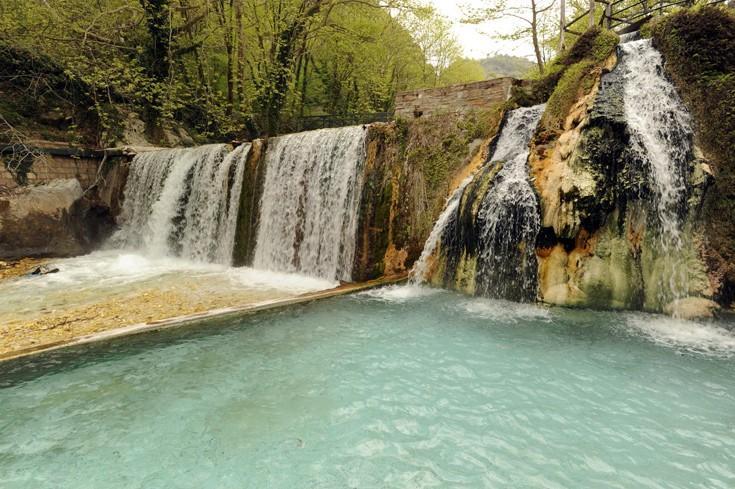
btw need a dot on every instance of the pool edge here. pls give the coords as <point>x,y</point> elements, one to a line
<point>173,322</point>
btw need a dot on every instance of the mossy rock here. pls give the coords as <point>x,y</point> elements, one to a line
<point>591,49</point>
<point>611,278</point>
<point>699,48</point>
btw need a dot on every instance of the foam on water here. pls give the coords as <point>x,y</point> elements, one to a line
<point>687,336</point>
<point>502,310</point>
<point>399,293</point>
<point>109,273</point>
<point>290,282</point>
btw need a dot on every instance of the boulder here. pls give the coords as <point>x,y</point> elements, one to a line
<point>54,219</point>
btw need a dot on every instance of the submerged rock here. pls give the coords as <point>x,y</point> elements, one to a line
<point>43,270</point>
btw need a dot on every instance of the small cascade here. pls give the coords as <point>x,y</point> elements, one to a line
<point>311,197</point>
<point>508,218</point>
<point>184,202</point>
<point>630,36</point>
<point>661,138</point>
<point>503,232</point>
<point>421,267</point>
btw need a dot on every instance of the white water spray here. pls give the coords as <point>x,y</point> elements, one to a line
<point>184,202</point>
<point>511,192</point>
<point>310,203</point>
<point>509,218</point>
<point>661,135</point>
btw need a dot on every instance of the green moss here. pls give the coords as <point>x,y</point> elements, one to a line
<point>410,169</point>
<point>438,147</point>
<point>612,277</point>
<point>588,53</point>
<point>669,276</point>
<point>565,94</point>
<point>699,48</point>
<point>464,278</point>
<point>591,49</point>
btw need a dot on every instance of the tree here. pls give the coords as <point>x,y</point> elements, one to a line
<point>434,37</point>
<point>534,17</point>
<point>227,67</point>
<point>462,70</point>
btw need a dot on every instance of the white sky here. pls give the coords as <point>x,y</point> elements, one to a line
<point>477,40</point>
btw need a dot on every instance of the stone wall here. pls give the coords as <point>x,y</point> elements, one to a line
<point>455,98</point>
<point>62,209</point>
<point>48,167</point>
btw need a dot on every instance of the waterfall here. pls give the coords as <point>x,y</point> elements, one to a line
<point>630,36</point>
<point>184,202</point>
<point>507,221</point>
<point>421,268</point>
<point>661,136</point>
<point>311,197</point>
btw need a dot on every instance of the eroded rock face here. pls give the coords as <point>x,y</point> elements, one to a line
<point>483,243</point>
<point>600,244</point>
<point>409,172</point>
<point>51,220</point>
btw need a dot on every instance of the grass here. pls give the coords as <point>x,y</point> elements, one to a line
<point>566,75</point>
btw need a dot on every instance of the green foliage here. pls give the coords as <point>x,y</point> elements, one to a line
<point>234,68</point>
<point>438,145</point>
<point>500,65</point>
<point>34,88</point>
<point>461,70</point>
<point>566,75</point>
<point>699,48</point>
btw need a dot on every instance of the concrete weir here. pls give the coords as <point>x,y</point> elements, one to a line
<point>152,245</point>
<point>190,319</point>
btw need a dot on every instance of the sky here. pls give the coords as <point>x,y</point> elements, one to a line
<point>477,40</point>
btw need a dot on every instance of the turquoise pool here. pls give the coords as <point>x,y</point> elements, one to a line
<point>391,389</point>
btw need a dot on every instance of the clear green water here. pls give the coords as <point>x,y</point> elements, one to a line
<point>384,390</point>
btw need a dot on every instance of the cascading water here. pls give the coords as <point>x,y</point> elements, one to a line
<point>508,218</point>
<point>184,202</point>
<point>661,136</point>
<point>421,268</point>
<point>311,196</point>
<point>507,221</point>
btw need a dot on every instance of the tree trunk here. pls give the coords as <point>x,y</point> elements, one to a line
<point>156,12</point>
<point>562,24</point>
<point>592,14</point>
<point>280,73</point>
<point>203,82</point>
<point>239,62</point>
<point>534,36</point>
<point>230,81</point>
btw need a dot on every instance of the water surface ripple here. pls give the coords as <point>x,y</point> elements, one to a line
<point>391,389</point>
